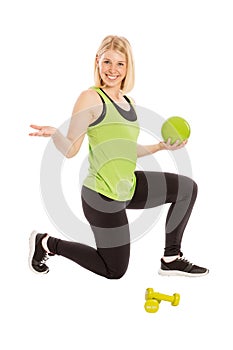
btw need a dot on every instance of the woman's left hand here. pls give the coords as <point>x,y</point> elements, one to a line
<point>172,147</point>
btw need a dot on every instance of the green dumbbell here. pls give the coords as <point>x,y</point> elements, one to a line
<point>151,305</point>
<point>153,300</point>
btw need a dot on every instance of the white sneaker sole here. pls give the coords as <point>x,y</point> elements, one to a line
<point>32,244</point>
<point>181,273</point>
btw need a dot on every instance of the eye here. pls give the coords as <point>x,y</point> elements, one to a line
<point>106,61</point>
<point>121,64</point>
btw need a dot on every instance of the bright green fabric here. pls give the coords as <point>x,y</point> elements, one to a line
<point>112,154</point>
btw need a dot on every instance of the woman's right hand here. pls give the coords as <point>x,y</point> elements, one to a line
<point>45,131</point>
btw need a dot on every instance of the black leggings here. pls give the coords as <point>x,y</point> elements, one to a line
<point>109,222</point>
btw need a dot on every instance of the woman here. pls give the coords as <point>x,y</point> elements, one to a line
<point>109,119</point>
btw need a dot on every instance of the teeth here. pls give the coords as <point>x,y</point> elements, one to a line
<point>111,77</point>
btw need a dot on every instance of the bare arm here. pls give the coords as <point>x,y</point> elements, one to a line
<point>146,150</point>
<point>150,149</point>
<point>81,118</point>
<point>85,110</point>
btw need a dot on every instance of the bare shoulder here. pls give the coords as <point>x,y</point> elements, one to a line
<point>87,100</point>
<point>88,104</point>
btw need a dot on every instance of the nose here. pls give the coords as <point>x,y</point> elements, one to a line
<point>113,68</point>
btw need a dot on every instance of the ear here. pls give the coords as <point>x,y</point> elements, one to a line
<point>97,59</point>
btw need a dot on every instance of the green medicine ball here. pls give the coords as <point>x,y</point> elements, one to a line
<point>175,128</point>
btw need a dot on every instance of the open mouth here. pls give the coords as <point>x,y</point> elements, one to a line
<point>111,77</point>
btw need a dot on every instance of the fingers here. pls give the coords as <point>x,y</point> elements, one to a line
<point>41,131</point>
<point>175,146</point>
<point>168,143</point>
<point>36,134</point>
<point>37,127</point>
<point>181,144</point>
<point>45,131</point>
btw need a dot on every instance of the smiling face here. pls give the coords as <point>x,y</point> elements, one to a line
<point>112,68</point>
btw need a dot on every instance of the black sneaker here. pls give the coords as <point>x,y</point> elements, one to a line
<point>37,255</point>
<point>181,267</point>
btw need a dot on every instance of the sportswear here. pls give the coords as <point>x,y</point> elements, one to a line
<point>113,150</point>
<point>37,255</point>
<point>181,267</point>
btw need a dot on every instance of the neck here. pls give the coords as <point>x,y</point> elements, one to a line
<point>114,93</point>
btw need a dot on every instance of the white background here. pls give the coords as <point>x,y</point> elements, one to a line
<point>183,58</point>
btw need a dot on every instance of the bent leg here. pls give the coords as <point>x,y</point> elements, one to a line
<point>111,231</point>
<point>157,188</point>
<point>111,263</point>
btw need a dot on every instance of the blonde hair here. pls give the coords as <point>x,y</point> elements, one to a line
<point>121,45</point>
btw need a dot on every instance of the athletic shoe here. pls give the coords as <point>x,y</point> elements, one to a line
<point>37,255</point>
<point>181,267</point>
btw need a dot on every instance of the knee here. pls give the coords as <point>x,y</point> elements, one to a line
<point>195,188</point>
<point>188,187</point>
<point>117,274</point>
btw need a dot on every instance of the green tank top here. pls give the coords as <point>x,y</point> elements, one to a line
<point>113,150</point>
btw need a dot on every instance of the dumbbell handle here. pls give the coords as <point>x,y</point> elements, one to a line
<point>150,294</point>
<point>160,296</point>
